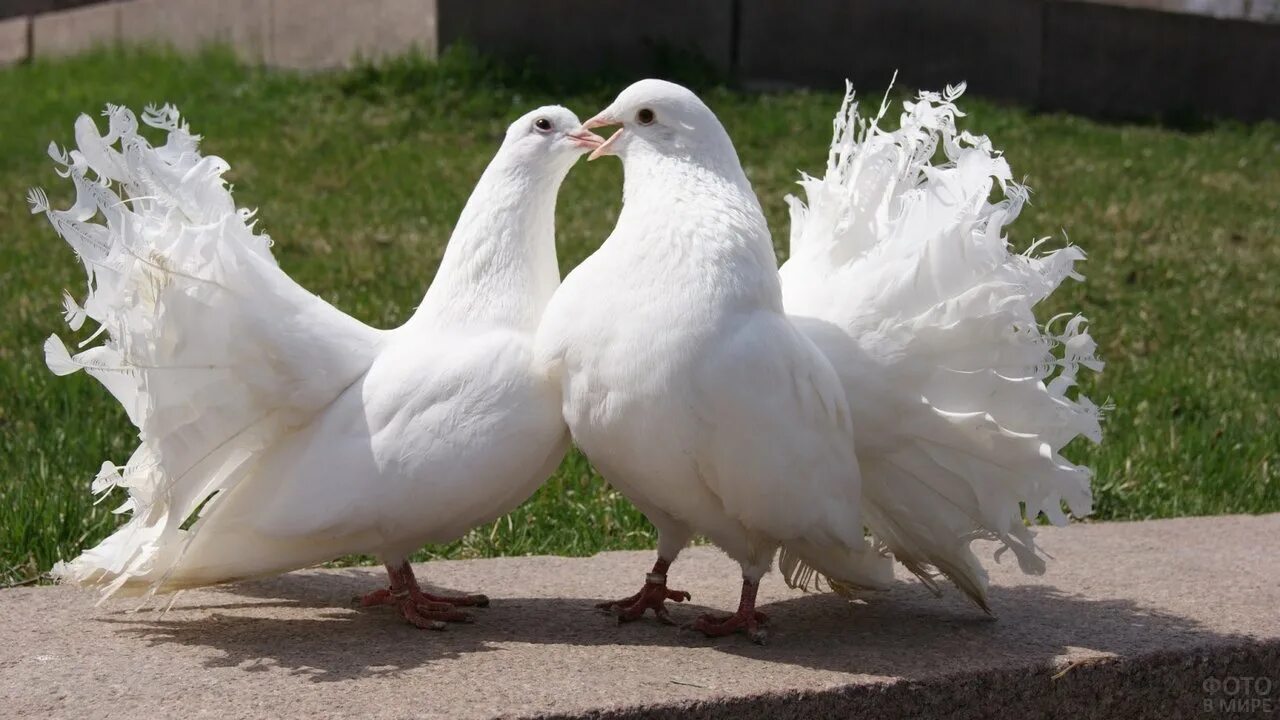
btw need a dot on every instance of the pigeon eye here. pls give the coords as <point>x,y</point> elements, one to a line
<point>542,124</point>
<point>645,116</point>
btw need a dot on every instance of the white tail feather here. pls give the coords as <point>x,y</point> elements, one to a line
<point>962,402</point>
<point>213,351</point>
<point>58,358</point>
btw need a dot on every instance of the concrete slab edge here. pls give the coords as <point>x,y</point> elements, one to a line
<point>1160,686</point>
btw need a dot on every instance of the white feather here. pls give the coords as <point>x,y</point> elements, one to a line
<point>57,357</point>
<point>289,432</point>
<point>684,380</point>
<point>961,401</point>
<point>891,376</point>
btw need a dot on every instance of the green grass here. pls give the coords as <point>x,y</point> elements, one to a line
<point>360,175</point>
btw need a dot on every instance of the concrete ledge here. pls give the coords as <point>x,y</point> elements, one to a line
<point>1133,620</point>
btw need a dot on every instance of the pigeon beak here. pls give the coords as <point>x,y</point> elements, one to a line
<point>604,119</point>
<point>599,121</point>
<point>584,138</point>
<point>606,148</point>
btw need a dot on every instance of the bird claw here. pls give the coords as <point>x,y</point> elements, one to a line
<point>635,612</point>
<point>753,623</point>
<point>422,609</point>
<point>459,600</point>
<point>630,613</point>
<point>381,596</point>
<point>429,614</point>
<point>423,621</point>
<point>652,596</point>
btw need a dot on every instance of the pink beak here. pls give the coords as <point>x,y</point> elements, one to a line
<point>585,139</point>
<point>604,148</point>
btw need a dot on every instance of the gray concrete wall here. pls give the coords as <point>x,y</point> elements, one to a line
<point>327,33</point>
<point>71,31</point>
<point>190,24</point>
<point>302,34</point>
<point>15,37</point>
<point>929,42</point>
<point>1106,58</point>
<point>1263,10</point>
<point>1116,61</point>
<point>20,8</point>
<point>575,35</point>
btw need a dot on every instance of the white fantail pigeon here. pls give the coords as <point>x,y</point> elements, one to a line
<point>892,377</point>
<point>276,431</point>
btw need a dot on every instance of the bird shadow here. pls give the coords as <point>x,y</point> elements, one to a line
<point>902,632</point>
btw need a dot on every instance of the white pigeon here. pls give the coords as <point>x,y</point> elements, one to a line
<point>892,377</point>
<point>276,431</point>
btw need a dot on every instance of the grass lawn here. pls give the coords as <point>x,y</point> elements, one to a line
<point>360,175</point>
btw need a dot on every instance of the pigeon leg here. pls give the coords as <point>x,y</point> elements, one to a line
<point>653,596</point>
<point>421,609</point>
<point>747,619</point>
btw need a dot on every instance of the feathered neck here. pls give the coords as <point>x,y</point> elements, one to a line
<point>499,268</point>
<point>699,215</point>
<point>673,189</point>
<point>710,165</point>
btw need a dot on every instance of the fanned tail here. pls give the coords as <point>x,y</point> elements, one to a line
<point>962,401</point>
<point>201,337</point>
<point>845,572</point>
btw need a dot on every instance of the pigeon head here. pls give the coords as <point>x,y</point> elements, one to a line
<point>660,119</point>
<point>549,139</point>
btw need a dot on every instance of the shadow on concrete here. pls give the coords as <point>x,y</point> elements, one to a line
<point>903,632</point>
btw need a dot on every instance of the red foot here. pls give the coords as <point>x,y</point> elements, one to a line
<point>753,623</point>
<point>421,609</point>
<point>747,619</point>
<point>653,596</point>
<point>458,600</point>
